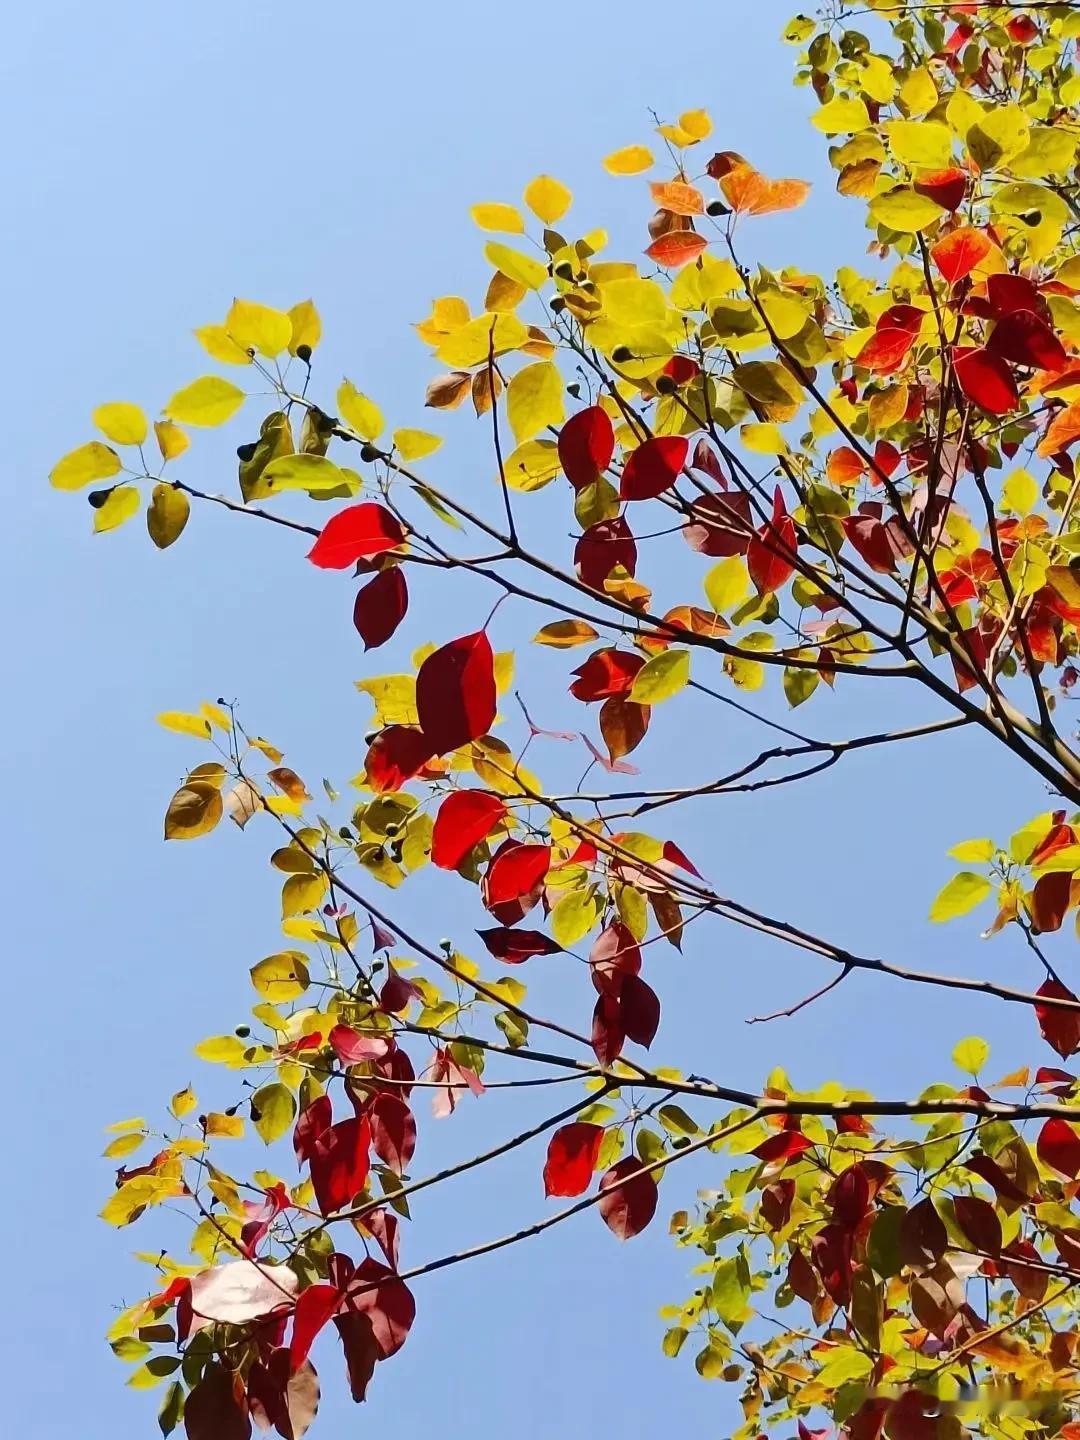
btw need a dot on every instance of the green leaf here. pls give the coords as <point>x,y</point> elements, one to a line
<point>574,916</point>
<point>273,1109</point>
<point>971,1054</point>
<point>171,1410</point>
<point>313,473</point>
<point>661,677</point>
<point>961,894</point>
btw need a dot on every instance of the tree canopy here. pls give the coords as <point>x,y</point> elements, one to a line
<point>773,481</point>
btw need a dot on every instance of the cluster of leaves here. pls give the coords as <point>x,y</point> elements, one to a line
<point>771,476</point>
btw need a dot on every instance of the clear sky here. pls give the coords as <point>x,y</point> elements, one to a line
<point>158,160</point>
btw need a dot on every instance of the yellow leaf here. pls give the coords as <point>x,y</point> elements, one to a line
<point>841,116</point>
<point>920,143</point>
<point>119,506</point>
<point>471,343</point>
<point>172,441</point>
<point>918,93</point>
<point>696,123</point>
<point>534,400</point>
<point>122,423</point>
<point>167,515</point>
<point>415,444</point>
<point>1020,493</point>
<point>574,916</point>
<point>532,465</point>
<point>183,1102</point>
<point>227,1127</point>
<point>207,401</point>
<point>491,215</point>
<point>630,160</point>
<point>763,439</point>
<point>258,327</point>
<point>219,345</point>
<point>548,198</point>
<point>904,210</point>
<point>522,268</point>
<point>119,1126</point>
<point>974,852</point>
<point>961,894</point>
<point>302,893</point>
<point>971,1055</point>
<point>362,414</point>
<point>313,473</point>
<point>565,634</point>
<point>281,977</point>
<point>728,583</point>
<point>184,723</point>
<point>193,811</point>
<point>306,326</point>
<point>221,1050</point>
<point>90,462</point>
<point>661,677</point>
<point>123,1145</point>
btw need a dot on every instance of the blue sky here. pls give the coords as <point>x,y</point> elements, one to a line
<point>159,162</point>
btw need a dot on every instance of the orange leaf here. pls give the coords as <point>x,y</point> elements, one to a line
<point>751,193</point>
<point>959,253</point>
<point>845,466</point>
<point>676,248</point>
<point>678,198</point>
<point>1062,431</point>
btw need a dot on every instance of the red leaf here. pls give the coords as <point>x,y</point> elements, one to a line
<point>340,1164</point>
<point>986,380</point>
<point>455,692</point>
<point>639,1010</point>
<point>355,534</point>
<point>395,756</point>
<point>571,1158</point>
<point>721,525</point>
<point>674,856</point>
<point>352,1048</point>
<point>1023,338</point>
<point>216,1407</point>
<point>465,818</point>
<point>380,607</point>
<point>629,1198</point>
<point>283,1398</point>
<point>396,994</point>
<point>885,351</point>
<point>514,946</point>
<point>586,445</point>
<point>515,871</point>
<point>979,1222</point>
<point>1058,1146</point>
<point>830,1250</point>
<point>314,1307</point>
<point>959,252</point>
<point>923,1237</point>
<point>653,467</point>
<point>1007,292</point>
<point>770,558</point>
<point>361,1351</point>
<point>990,1171</point>
<point>614,955</point>
<point>604,673</point>
<point>602,547</point>
<point>784,1145</point>
<point>676,248</point>
<point>387,1302</point>
<point>607,1032</point>
<point>393,1131</point>
<point>946,188</point>
<point>1049,901</point>
<point>1059,1028</point>
<point>312,1122</point>
<point>623,724</point>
